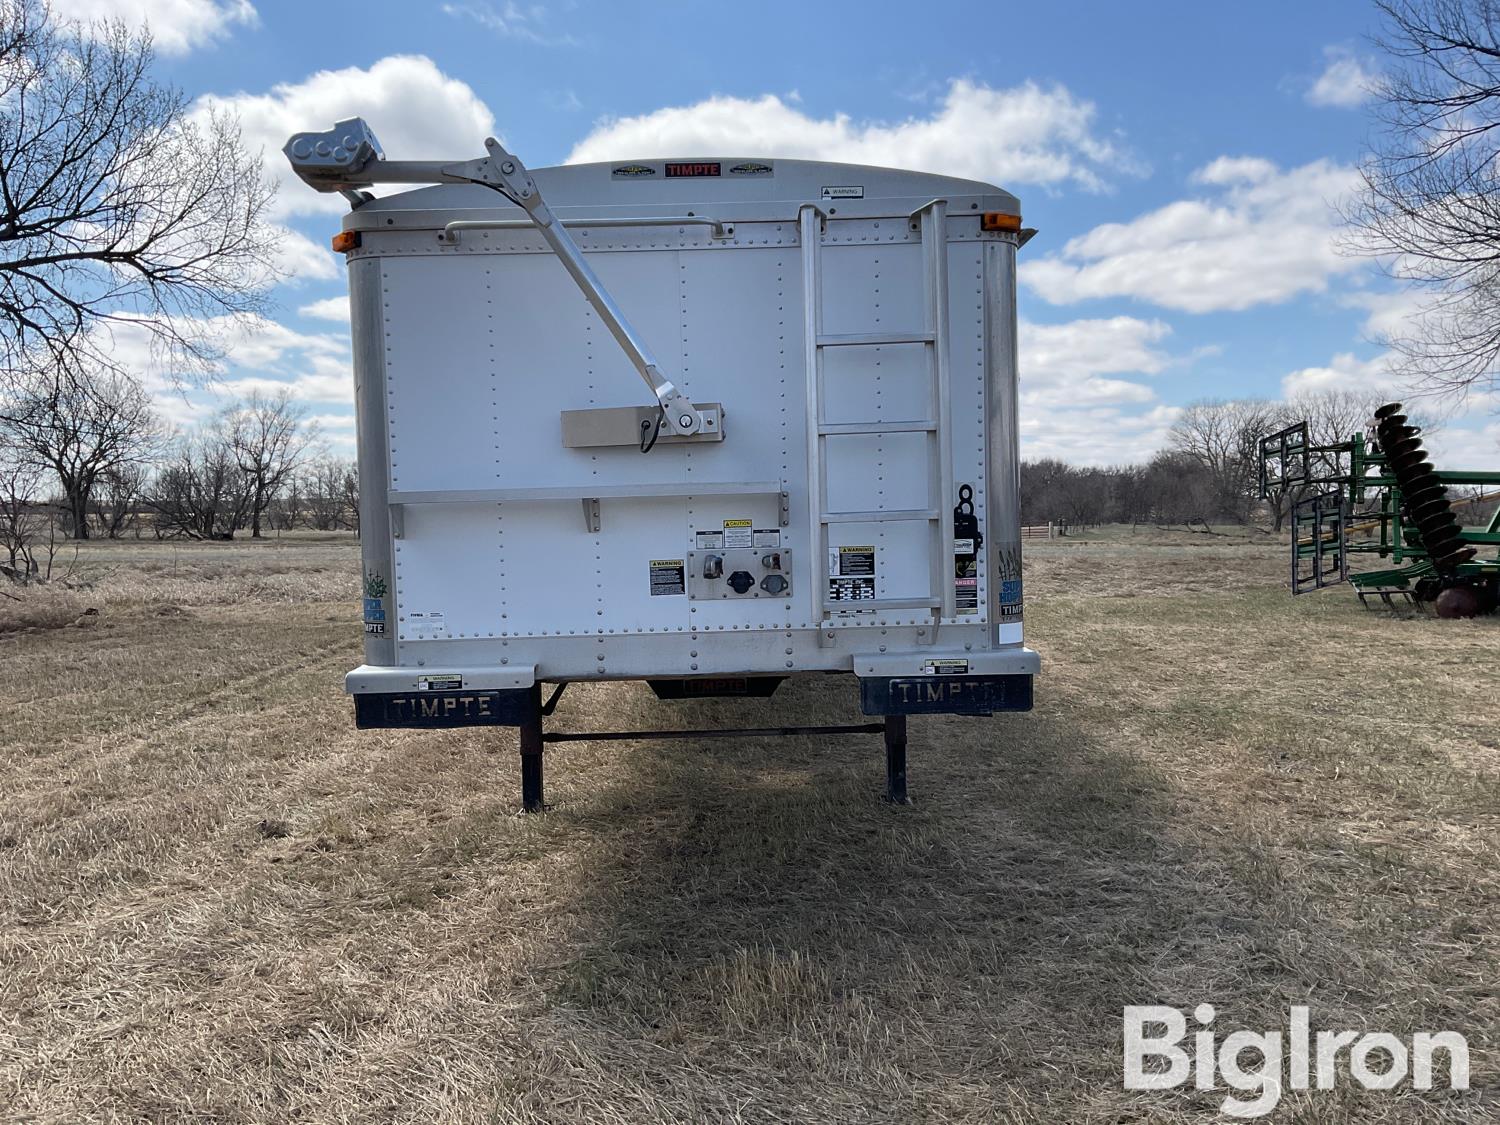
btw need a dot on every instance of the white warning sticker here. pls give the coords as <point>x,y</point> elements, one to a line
<point>738,533</point>
<point>945,667</point>
<point>843,191</point>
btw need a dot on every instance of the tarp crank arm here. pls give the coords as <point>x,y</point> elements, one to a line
<point>348,157</point>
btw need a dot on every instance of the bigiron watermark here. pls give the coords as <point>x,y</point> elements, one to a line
<point>1161,1055</point>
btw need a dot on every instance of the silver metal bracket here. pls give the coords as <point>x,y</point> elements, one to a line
<point>616,426</point>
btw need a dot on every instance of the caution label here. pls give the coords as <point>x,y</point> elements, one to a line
<point>738,533</point>
<point>668,576</point>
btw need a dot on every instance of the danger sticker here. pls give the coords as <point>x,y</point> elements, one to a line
<point>668,576</point>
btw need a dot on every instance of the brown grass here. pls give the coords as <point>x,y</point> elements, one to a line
<point>218,901</point>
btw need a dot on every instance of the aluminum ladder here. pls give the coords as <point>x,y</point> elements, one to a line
<point>933,335</point>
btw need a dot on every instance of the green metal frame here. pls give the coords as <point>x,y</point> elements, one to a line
<point>1356,470</point>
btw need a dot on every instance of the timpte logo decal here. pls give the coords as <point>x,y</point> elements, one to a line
<point>751,168</point>
<point>632,171</point>
<point>681,168</point>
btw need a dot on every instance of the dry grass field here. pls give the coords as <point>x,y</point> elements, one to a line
<point>220,902</point>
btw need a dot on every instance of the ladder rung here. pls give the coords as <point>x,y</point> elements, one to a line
<point>885,603</point>
<point>856,339</point>
<point>895,515</point>
<point>921,426</point>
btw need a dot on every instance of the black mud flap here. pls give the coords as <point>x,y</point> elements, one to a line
<point>709,687</point>
<point>502,708</point>
<point>944,695</point>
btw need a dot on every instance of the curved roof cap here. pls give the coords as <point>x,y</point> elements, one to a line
<point>751,187</point>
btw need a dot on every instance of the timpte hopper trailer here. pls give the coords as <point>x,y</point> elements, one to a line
<point>818,475</point>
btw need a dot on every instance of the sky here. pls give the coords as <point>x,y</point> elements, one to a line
<point>1183,162</point>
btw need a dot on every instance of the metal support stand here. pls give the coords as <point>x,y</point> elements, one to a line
<point>895,759</point>
<point>531,754</point>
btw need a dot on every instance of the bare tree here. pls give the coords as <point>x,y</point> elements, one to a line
<point>117,496</point>
<point>200,490</point>
<point>327,487</point>
<point>20,514</point>
<point>1430,199</point>
<point>116,204</point>
<point>269,437</point>
<point>1224,438</point>
<point>80,431</point>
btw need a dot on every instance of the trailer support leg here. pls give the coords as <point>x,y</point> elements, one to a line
<point>531,754</point>
<point>895,759</point>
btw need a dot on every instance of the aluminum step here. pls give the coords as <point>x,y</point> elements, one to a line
<point>865,339</point>
<point>919,426</point>
<point>893,515</point>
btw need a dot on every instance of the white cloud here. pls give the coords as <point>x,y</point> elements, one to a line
<point>1027,134</point>
<point>1344,372</point>
<point>260,355</point>
<point>512,21</point>
<point>1104,435</point>
<point>1263,236</point>
<point>1345,83</point>
<point>1473,443</point>
<point>177,26</point>
<point>1071,405</point>
<point>416,110</point>
<point>302,259</point>
<point>1065,365</point>
<point>329,308</point>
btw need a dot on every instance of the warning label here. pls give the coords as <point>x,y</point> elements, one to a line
<point>768,537</point>
<point>946,667</point>
<point>738,533</point>
<point>851,574</point>
<point>668,576</point>
<point>710,540</point>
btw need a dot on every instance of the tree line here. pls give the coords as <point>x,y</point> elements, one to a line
<point>93,459</point>
<point>1208,472</point>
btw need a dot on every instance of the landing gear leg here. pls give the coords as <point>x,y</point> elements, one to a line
<point>531,754</point>
<point>895,759</point>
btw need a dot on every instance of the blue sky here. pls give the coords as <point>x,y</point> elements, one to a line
<point>1181,161</point>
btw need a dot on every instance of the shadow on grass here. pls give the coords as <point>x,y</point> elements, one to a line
<point>762,898</point>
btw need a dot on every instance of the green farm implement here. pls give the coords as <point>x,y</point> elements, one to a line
<point>1378,493</point>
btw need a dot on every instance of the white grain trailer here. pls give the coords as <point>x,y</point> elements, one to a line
<point>819,473</point>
